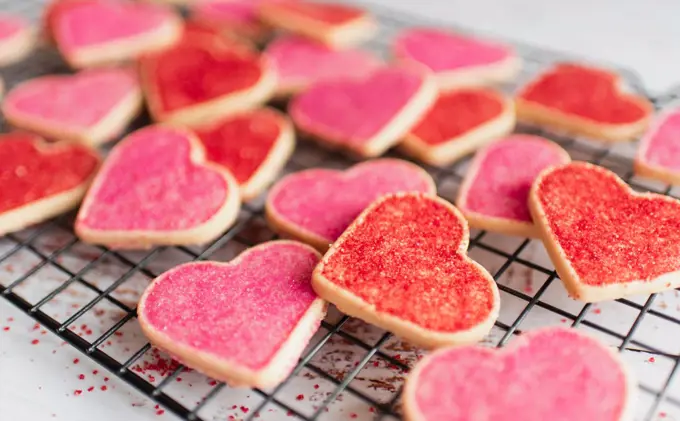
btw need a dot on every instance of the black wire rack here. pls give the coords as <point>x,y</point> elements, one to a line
<point>537,299</point>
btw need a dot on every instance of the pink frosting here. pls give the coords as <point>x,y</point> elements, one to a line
<point>242,311</point>
<point>443,51</point>
<point>325,202</point>
<point>10,26</point>
<point>502,174</point>
<point>353,111</point>
<point>149,183</point>
<point>81,100</point>
<point>300,62</point>
<point>553,374</point>
<point>238,11</point>
<point>662,145</point>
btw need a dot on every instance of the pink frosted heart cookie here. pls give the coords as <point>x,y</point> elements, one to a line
<point>495,190</point>
<point>456,59</point>
<point>16,39</point>
<point>245,322</point>
<point>365,116</point>
<point>317,205</point>
<point>300,63</point>
<point>91,107</point>
<point>659,153</point>
<point>551,374</point>
<point>99,32</point>
<point>156,189</point>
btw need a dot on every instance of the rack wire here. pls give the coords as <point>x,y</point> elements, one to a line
<point>502,256</point>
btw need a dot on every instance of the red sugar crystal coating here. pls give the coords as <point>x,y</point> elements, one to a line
<point>457,112</point>
<point>553,374</point>
<point>29,173</point>
<point>240,312</point>
<point>609,236</point>
<point>585,92</point>
<point>662,145</point>
<point>407,259</point>
<point>328,13</point>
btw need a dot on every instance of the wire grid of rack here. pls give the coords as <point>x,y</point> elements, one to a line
<point>502,256</point>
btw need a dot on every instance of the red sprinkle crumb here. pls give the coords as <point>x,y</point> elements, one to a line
<point>36,326</point>
<point>212,382</point>
<point>160,412</point>
<point>289,413</point>
<point>152,378</point>
<point>651,359</point>
<point>35,342</point>
<point>103,388</point>
<point>81,377</point>
<point>95,372</point>
<point>179,379</point>
<point>245,409</point>
<point>90,389</point>
<point>118,333</point>
<point>300,397</point>
<point>6,328</point>
<point>376,363</point>
<point>43,332</point>
<point>10,319</point>
<point>353,415</point>
<point>316,386</point>
<point>106,379</point>
<point>77,392</point>
<point>597,311</point>
<point>371,409</point>
<point>662,415</point>
<point>234,407</point>
<point>76,361</point>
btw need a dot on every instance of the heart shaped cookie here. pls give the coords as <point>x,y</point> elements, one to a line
<point>245,322</point>
<point>156,189</point>
<point>39,180</point>
<point>334,24</point>
<point>253,146</point>
<point>300,63</point>
<point>659,154</point>
<point>402,266</point>
<point>605,240</point>
<point>200,80</point>
<point>584,101</point>
<point>456,59</point>
<point>239,17</point>
<point>365,116</point>
<point>495,191</point>
<point>91,107</point>
<point>100,32</point>
<point>481,116</point>
<point>16,39</point>
<point>551,374</point>
<point>315,206</point>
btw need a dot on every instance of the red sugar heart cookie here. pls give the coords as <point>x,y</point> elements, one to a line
<point>402,266</point>
<point>245,322</point>
<point>99,32</point>
<point>659,154</point>
<point>91,107</point>
<point>253,146</point>
<point>585,101</point>
<point>335,24</point>
<point>156,189</point>
<point>317,205</point>
<point>551,374</point>
<point>605,240</point>
<point>458,123</point>
<point>16,39</point>
<point>365,116</point>
<point>494,193</point>
<point>39,180</point>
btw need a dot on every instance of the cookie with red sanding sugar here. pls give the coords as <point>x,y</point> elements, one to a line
<point>457,60</point>
<point>239,17</point>
<point>584,101</point>
<point>156,188</point>
<point>17,39</point>
<point>315,206</point>
<point>495,190</point>
<point>606,240</point>
<point>91,33</point>
<point>253,146</point>
<point>403,266</point>
<point>658,156</point>
<point>365,116</point>
<point>40,180</point>
<point>91,107</point>
<point>560,374</point>
<point>245,322</point>
<point>337,25</point>
<point>459,122</point>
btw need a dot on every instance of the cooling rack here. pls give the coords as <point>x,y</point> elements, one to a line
<point>87,295</point>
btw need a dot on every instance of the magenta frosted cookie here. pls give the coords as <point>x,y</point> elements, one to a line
<point>245,322</point>
<point>317,205</point>
<point>659,154</point>
<point>365,116</point>
<point>495,192</point>
<point>551,374</point>
<point>155,188</point>
<point>16,39</point>
<point>91,107</point>
<point>457,60</point>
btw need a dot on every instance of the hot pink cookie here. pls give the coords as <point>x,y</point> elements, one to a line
<point>456,59</point>
<point>155,188</point>
<point>16,39</point>
<point>551,374</point>
<point>365,116</point>
<point>317,205</point>
<point>495,190</point>
<point>245,322</point>
<point>91,107</point>
<point>659,153</point>
<point>300,63</point>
